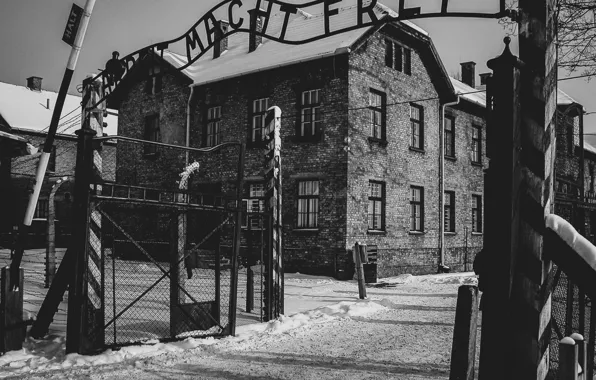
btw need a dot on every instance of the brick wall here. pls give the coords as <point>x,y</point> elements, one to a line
<point>399,166</point>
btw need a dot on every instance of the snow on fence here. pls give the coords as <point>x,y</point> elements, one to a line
<point>574,288</point>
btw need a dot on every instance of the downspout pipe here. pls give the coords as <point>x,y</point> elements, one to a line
<point>442,267</point>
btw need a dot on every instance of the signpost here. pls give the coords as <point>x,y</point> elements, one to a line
<point>72,25</point>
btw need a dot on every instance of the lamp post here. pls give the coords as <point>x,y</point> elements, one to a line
<point>51,235</point>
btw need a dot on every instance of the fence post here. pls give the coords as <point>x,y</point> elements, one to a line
<point>358,250</point>
<point>582,358</point>
<point>12,324</point>
<point>463,351</point>
<point>568,355</point>
<point>77,302</point>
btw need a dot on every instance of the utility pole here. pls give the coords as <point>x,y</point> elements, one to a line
<point>47,148</point>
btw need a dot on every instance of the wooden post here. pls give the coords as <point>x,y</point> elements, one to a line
<point>463,351</point>
<point>11,328</point>
<point>568,355</point>
<point>250,289</point>
<point>359,270</point>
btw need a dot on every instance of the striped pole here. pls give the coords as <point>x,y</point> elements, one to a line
<point>93,118</point>
<point>273,270</point>
<point>48,144</point>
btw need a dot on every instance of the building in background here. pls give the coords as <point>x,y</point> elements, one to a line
<point>361,128</point>
<point>26,111</point>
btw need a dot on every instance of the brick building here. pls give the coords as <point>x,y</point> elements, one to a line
<point>362,116</point>
<point>25,111</point>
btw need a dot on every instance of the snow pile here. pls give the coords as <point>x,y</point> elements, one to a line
<point>578,243</point>
<point>49,354</point>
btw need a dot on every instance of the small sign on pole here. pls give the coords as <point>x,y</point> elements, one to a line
<point>72,25</point>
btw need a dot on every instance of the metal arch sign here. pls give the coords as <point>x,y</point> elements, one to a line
<point>201,37</point>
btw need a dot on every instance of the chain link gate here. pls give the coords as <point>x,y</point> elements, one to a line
<point>155,266</point>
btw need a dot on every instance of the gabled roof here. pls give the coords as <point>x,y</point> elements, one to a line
<point>26,109</point>
<point>236,60</point>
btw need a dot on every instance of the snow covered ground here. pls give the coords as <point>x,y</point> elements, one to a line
<point>403,330</point>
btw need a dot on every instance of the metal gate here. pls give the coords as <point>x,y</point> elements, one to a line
<point>156,263</point>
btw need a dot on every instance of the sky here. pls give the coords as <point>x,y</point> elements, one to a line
<point>31,38</point>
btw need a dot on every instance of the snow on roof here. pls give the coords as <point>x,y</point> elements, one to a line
<point>25,109</point>
<point>590,148</point>
<point>563,99</point>
<point>478,95</point>
<point>469,93</point>
<point>238,61</point>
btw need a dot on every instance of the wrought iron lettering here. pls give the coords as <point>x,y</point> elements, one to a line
<point>201,37</point>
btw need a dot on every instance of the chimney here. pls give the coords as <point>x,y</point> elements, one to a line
<point>256,25</point>
<point>484,78</point>
<point>221,44</point>
<point>468,73</point>
<point>34,83</point>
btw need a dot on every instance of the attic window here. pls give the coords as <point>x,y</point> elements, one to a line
<point>154,84</point>
<point>398,57</point>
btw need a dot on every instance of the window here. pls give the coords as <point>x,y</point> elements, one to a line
<point>572,125</point>
<point>408,61</point>
<point>52,161</point>
<point>308,204</point>
<point>212,135</point>
<point>449,212</point>
<point>151,134</point>
<point>591,171</point>
<point>254,205</point>
<point>394,54</point>
<point>389,53</point>
<point>376,206</point>
<point>450,136</point>
<point>416,209</point>
<point>310,115</point>
<point>41,210</point>
<point>377,104</point>
<point>257,119</point>
<point>476,144</point>
<point>154,83</point>
<point>476,213</point>
<point>417,126</point>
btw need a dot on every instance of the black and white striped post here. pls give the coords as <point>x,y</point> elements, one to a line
<point>49,142</point>
<point>273,295</point>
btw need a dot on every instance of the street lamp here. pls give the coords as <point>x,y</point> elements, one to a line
<point>51,235</point>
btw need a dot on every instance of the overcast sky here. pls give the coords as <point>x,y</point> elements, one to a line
<point>31,32</point>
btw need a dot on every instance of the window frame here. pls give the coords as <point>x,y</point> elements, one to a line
<point>420,127</point>
<point>151,133</point>
<point>413,215</point>
<point>449,211</point>
<point>314,109</point>
<point>372,200</point>
<point>407,61</point>
<point>382,110</point>
<point>154,83</point>
<point>254,196</point>
<point>253,140</point>
<point>394,55</point>
<point>212,120</point>
<point>449,136</point>
<point>477,145</point>
<point>43,211</point>
<point>477,213</point>
<point>308,219</point>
